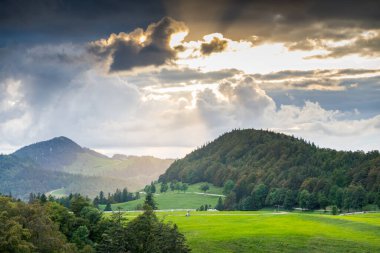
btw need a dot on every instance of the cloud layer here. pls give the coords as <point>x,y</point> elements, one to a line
<point>151,91</point>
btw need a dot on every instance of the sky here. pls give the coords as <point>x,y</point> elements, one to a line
<point>165,77</point>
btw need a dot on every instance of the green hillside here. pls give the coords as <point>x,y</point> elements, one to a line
<point>20,177</point>
<point>268,169</point>
<point>62,163</point>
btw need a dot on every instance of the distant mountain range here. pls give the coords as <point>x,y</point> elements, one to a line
<point>267,168</point>
<point>62,163</point>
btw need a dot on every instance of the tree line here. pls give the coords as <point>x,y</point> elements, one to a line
<point>119,196</point>
<point>47,226</point>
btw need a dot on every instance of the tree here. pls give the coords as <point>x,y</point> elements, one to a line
<point>108,207</point>
<point>184,187</point>
<point>77,203</point>
<point>114,238</point>
<point>164,187</point>
<point>62,216</point>
<point>152,188</point>
<point>334,210</point>
<point>323,201</point>
<point>102,199</point>
<point>228,186</point>
<point>219,206</point>
<point>173,184</point>
<point>149,235</point>
<point>80,237</point>
<point>276,197</point>
<point>204,187</point>
<point>43,198</point>
<point>259,195</point>
<point>125,195</point>
<point>13,237</point>
<point>303,199</point>
<point>96,202</point>
<point>354,197</point>
<point>92,214</point>
<point>290,200</point>
<point>149,200</point>
<point>178,186</point>
<point>147,189</point>
<point>312,202</point>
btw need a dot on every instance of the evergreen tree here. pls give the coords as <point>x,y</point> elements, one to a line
<point>102,199</point>
<point>164,187</point>
<point>108,207</point>
<point>219,206</point>
<point>43,198</point>
<point>149,200</point>
<point>152,188</point>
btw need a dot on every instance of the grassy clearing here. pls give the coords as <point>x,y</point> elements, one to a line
<point>58,193</point>
<point>193,198</point>
<point>171,200</point>
<point>268,232</point>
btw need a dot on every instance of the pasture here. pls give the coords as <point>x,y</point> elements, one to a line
<point>193,198</point>
<point>265,231</point>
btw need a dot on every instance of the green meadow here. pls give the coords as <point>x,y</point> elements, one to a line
<point>276,232</point>
<point>193,198</point>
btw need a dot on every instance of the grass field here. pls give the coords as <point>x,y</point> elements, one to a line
<point>58,193</point>
<point>269,232</point>
<point>192,199</point>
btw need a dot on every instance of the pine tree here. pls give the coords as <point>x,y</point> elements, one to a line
<point>149,201</point>
<point>108,207</point>
<point>219,206</point>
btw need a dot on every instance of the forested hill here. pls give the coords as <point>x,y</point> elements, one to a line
<point>252,160</point>
<point>62,163</point>
<point>51,154</point>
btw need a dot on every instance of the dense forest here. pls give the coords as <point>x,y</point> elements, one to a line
<point>261,168</point>
<point>46,226</point>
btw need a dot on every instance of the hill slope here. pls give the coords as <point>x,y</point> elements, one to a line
<point>21,177</point>
<point>60,162</point>
<point>52,154</point>
<point>266,168</point>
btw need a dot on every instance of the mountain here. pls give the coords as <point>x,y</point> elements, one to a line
<point>64,155</point>
<point>62,163</point>
<point>20,177</point>
<point>273,165</point>
<point>53,154</point>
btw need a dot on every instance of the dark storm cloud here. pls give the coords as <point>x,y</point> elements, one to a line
<point>45,70</point>
<point>301,24</point>
<point>216,45</point>
<point>140,48</point>
<point>52,20</point>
